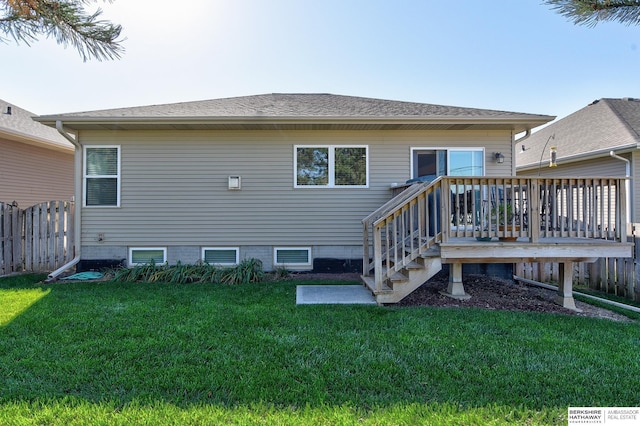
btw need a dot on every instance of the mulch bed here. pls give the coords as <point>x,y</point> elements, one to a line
<point>486,293</point>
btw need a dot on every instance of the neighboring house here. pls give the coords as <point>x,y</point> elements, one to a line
<point>584,141</point>
<point>283,178</point>
<point>36,162</point>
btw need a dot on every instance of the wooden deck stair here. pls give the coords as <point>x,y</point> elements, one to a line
<point>403,282</point>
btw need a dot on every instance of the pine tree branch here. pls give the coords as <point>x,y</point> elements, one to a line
<point>65,21</point>
<point>591,12</point>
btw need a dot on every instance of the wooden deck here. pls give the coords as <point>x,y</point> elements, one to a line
<point>425,225</point>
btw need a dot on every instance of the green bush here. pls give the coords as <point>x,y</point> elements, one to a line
<point>247,271</point>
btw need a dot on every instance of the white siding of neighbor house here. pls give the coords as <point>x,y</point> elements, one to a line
<point>30,174</point>
<point>174,186</point>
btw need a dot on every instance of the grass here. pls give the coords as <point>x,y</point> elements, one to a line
<point>135,353</point>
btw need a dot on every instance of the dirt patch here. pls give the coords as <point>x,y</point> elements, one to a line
<point>486,293</point>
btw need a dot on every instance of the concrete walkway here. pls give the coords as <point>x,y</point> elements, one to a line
<point>333,294</point>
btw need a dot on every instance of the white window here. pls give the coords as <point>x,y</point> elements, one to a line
<point>224,256</point>
<point>331,166</point>
<point>429,164</point>
<point>147,255</point>
<point>101,176</point>
<point>292,257</point>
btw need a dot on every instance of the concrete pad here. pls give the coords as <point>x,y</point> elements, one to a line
<point>333,294</point>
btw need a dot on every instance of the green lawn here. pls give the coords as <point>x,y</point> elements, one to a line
<point>123,353</point>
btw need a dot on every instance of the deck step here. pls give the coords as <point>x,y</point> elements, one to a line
<point>397,277</point>
<point>431,252</point>
<point>402,283</point>
<point>370,282</point>
<point>413,266</point>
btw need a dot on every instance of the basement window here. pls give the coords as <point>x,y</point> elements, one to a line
<point>147,255</point>
<point>292,257</point>
<point>223,256</point>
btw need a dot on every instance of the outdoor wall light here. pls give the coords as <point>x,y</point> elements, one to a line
<point>499,157</point>
<point>235,182</point>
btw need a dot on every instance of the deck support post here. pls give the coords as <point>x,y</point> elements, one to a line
<point>455,289</point>
<point>565,286</point>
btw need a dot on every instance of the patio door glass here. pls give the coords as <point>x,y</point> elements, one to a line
<point>465,163</point>
<point>429,164</point>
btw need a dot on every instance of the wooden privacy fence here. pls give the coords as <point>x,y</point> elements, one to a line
<point>37,239</point>
<point>619,276</point>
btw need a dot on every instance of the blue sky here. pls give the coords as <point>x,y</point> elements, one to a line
<point>514,55</point>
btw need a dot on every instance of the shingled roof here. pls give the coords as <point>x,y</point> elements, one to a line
<point>296,111</point>
<point>604,125</point>
<point>17,124</point>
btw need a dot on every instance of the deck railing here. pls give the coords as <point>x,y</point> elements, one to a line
<point>485,208</point>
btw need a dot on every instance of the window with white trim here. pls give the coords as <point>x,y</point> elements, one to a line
<point>331,166</point>
<point>147,255</point>
<point>292,257</point>
<point>224,256</point>
<point>101,176</point>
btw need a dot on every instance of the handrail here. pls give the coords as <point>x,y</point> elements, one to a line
<point>482,207</point>
<point>402,229</point>
<point>398,199</point>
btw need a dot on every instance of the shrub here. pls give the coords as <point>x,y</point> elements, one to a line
<point>247,271</point>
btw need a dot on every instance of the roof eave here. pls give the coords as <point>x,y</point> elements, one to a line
<point>622,149</point>
<point>518,123</point>
<point>34,140</point>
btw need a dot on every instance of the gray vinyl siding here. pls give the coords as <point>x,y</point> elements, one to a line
<point>31,174</point>
<point>174,186</point>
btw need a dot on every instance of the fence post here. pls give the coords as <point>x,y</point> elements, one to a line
<point>43,236</point>
<point>3,241</point>
<point>16,236</point>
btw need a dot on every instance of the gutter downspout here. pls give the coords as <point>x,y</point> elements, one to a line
<point>513,151</point>
<point>78,197</point>
<point>627,184</point>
